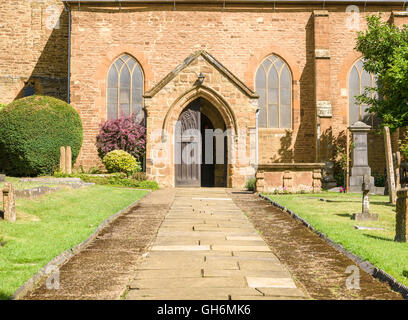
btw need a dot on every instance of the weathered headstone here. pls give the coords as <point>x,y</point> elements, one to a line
<point>401,226</point>
<point>328,180</point>
<point>365,214</point>
<point>8,202</point>
<point>2,177</point>
<point>360,157</point>
<point>68,160</point>
<point>397,165</point>
<point>389,164</point>
<point>62,159</point>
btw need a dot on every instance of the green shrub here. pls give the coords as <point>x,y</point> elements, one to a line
<point>139,176</point>
<point>115,179</point>
<point>32,130</point>
<point>250,184</point>
<point>379,180</point>
<point>148,184</point>
<point>121,161</point>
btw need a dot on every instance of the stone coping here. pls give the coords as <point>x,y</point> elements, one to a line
<point>365,265</point>
<point>281,166</point>
<point>210,59</point>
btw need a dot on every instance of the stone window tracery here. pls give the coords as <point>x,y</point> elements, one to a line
<point>273,83</point>
<point>125,88</point>
<point>359,79</point>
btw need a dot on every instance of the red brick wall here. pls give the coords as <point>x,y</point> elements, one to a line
<point>239,36</point>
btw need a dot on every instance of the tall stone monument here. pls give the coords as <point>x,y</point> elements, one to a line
<point>401,223</point>
<point>360,166</point>
<point>390,166</point>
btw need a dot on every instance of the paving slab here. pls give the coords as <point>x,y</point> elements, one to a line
<point>198,282</point>
<point>258,282</point>
<point>206,248</point>
<point>209,272</point>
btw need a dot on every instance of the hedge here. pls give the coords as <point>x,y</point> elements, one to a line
<point>32,130</point>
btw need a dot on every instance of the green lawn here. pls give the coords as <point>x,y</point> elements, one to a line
<point>25,185</point>
<point>48,225</point>
<point>334,220</point>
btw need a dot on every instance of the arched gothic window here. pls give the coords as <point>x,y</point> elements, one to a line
<point>359,79</point>
<point>125,88</point>
<point>273,83</point>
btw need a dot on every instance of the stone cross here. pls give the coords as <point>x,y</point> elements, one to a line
<point>365,214</point>
<point>8,202</point>
<point>401,226</point>
<point>365,187</point>
<point>390,167</point>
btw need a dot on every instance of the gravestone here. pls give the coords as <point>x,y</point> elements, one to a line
<point>397,165</point>
<point>68,160</point>
<point>328,180</point>
<point>62,159</point>
<point>8,203</point>
<point>389,165</point>
<point>401,226</point>
<point>365,214</point>
<point>360,166</point>
<point>2,177</point>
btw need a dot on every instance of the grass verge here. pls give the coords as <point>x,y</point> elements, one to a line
<point>333,218</point>
<point>48,225</point>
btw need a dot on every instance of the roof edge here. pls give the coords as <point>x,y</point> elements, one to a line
<point>210,59</point>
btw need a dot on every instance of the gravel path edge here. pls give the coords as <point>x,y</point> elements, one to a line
<point>66,255</point>
<point>363,264</point>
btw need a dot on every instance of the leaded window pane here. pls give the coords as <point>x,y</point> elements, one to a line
<point>273,116</point>
<point>125,88</point>
<point>359,80</point>
<point>354,87</point>
<point>260,83</point>
<point>273,83</point>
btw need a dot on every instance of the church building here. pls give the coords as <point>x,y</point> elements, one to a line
<point>274,80</point>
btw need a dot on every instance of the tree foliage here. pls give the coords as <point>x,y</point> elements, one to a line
<point>32,130</point>
<point>385,54</point>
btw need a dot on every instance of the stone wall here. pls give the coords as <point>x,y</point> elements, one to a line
<point>160,37</point>
<point>289,177</point>
<point>34,55</point>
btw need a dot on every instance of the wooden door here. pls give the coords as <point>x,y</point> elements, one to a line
<point>188,147</point>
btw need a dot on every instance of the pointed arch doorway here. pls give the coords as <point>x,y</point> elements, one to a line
<point>201,154</point>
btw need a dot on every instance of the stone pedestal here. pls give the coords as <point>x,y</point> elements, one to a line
<point>68,160</point>
<point>62,159</point>
<point>401,226</point>
<point>360,157</point>
<point>8,202</point>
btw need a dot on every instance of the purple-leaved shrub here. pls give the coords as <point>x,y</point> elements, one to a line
<point>124,133</point>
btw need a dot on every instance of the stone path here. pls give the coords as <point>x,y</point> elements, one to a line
<point>104,268</point>
<point>319,267</point>
<point>207,249</point>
